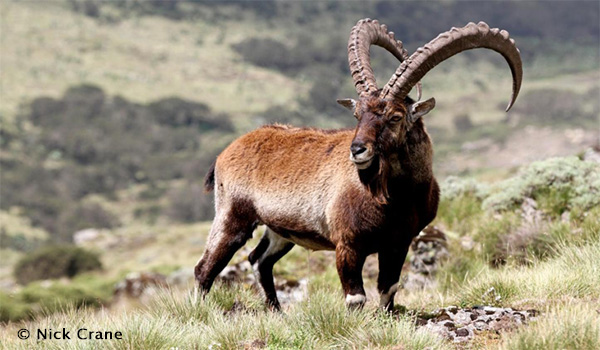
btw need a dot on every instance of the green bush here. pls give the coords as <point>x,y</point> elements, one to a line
<point>189,203</point>
<point>558,184</point>
<point>97,143</point>
<point>37,299</point>
<point>54,262</point>
<point>462,122</point>
<point>453,187</point>
<point>81,216</point>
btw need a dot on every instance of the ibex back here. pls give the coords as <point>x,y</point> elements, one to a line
<point>358,192</point>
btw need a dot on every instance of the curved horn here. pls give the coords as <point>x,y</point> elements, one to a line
<point>365,33</point>
<point>448,44</point>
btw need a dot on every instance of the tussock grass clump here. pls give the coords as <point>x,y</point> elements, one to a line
<point>572,275</point>
<point>190,321</point>
<point>571,327</point>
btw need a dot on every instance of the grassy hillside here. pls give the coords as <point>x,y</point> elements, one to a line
<point>111,113</point>
<point>141,59</point>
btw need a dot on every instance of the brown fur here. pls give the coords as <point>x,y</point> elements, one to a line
<point>300,183</point>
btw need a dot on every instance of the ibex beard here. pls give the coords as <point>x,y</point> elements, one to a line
<point>358,192</point>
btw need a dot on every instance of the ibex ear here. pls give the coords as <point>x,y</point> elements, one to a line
<point>348,103</point>
<point>420,108</point>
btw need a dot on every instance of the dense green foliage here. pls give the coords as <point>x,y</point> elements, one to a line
<point>36,299</point>
<point>87,142</point>
<point>562,208</point>
<point>54,262</point>
<point>558,184</point>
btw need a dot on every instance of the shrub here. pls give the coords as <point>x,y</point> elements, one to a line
<point>41,300</point>
<point>558,184</point>
<point>267,53</point>
<point>99,144</point>
<point>189,203</point>
<point>462,122</point>
<point>81,216</point>
<point>453,187</point>
<point>54,262</point>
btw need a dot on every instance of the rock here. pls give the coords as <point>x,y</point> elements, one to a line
<point>592,154</point>
<point>449,324</point>
<point>237,273</point>
<point>291,291</point>
<point>452,309</point>
<point>429,248</point>
<point>467,243</point>
<point>140,284</point>
<point>462,332</point>
<point>181,278</point>
<point>86,236</point>
<point>256,344</point>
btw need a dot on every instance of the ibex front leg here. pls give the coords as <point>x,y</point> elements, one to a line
<point>391,260</point>
<point>349,262</point>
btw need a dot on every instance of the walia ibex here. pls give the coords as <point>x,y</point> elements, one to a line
<point>358,192</point>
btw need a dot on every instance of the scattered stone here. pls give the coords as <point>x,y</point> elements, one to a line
<point>291,291</point>
<point>462,332</point>
<point>452,309</point>
<point>85,236</point>
<point>467,243</point>
<point>592,154</point>
<point>237,273</point>
<point>181,278</point>
<point>463,324</point>
<point>449,324</point>
<point>256,344</point>
<point>140,285</point>
<point>429,249</point>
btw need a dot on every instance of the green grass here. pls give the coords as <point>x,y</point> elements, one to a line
<point>573,326</point>
<point>563,289</point>
<point>572,275</point>
<point>560,284</point>
<point>190,321</point>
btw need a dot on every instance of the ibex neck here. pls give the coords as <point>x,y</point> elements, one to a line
<point>413,159</point>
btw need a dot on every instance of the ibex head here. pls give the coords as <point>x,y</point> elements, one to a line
<point>386,115</point>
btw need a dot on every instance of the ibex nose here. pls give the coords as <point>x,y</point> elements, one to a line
<point>357,148</point>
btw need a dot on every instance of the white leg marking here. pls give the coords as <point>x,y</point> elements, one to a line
<point>256,272</point>
<point>352,299</point>
<point>386,296</point>
<point>276,244</point>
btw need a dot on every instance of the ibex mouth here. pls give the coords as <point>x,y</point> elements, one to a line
<point>361,164</point>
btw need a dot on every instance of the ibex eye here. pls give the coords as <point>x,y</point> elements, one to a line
<point>395,118</point>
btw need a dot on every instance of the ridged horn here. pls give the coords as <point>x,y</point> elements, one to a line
<point>448,44</point>
<point>365,33</point>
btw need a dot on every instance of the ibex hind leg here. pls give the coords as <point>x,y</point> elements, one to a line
<point>269,250</point>
<point>229,232</point>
